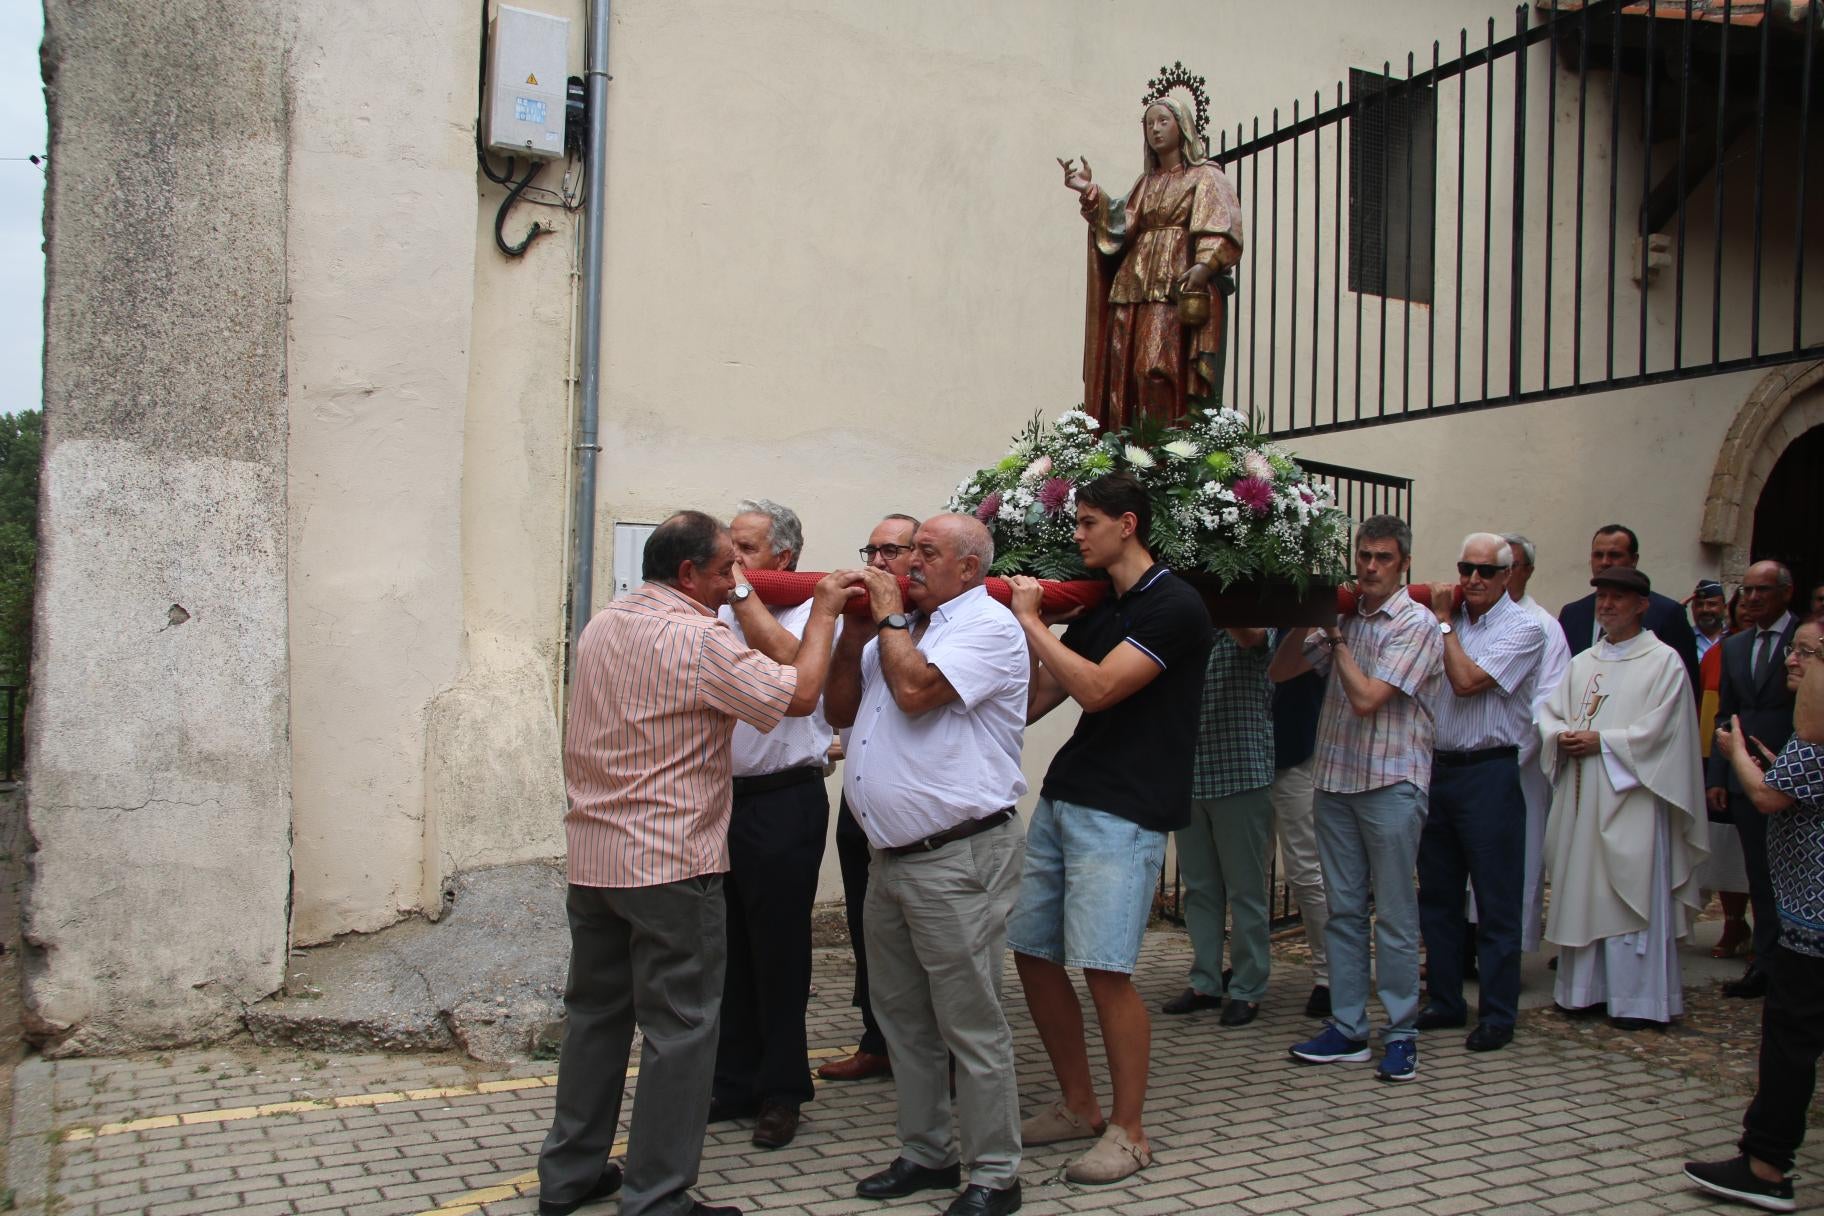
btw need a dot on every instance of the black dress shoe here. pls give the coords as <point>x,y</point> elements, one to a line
<point>1752,986</point>
<point>606,1185</point>
<point>1318,1006</point>
<point>1489,1038</point>
<point>1637,1024</point>
<point>985,1201</point>
<point>1190,1001</point>
<point>1433,1018</point>
<point>722,1110</point>
<point>905,1177</point>
<point>1581,1011</point>
<point>777,1125</point>
<point>1239,1013</point>
<point>699,1208</point>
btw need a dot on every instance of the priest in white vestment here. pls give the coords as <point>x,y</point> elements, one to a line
<point>1627,829</point>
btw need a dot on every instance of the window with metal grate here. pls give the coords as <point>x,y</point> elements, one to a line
<point>1393,171</point>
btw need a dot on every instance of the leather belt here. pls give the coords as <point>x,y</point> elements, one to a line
<point>961,831</point>
<point>766,783</point>
<point>1461,759</point>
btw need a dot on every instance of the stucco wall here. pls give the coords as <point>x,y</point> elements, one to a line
<point>159,796</point>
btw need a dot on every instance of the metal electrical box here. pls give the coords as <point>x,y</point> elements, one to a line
<point>528,57</point>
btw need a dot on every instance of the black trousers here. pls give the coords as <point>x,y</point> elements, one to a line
<point>1475,831</point>
<point>1792,1037</point>
<point>1751,826</point>
<point>852,852</point>
<point>775,845</point>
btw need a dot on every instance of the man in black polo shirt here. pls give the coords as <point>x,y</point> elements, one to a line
<point>1135,664</point>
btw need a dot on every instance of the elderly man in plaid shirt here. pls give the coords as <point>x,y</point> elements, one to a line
<point>1222,855</point>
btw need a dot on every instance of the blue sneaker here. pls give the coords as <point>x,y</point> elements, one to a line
<point>1401,1063</point>
<point>1330,1047</point>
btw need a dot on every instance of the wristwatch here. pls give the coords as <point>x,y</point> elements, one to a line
<point>1444,627</point>
<point>893,620</point>
<point>739,593</point>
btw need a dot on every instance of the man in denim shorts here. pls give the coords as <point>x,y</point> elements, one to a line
<point>1135,664</point>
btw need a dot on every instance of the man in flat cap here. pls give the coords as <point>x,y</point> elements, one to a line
<point>1628,827</point>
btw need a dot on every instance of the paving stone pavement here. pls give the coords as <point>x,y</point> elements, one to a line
<point>1545,1126</point>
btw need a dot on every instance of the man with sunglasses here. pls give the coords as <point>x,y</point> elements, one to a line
<point>1753,687</point>
<point>889,548</point>
<point>1385,667</point>
<point>1475,822</point>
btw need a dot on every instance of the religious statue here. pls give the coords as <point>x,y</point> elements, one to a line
<point>1154,328</point>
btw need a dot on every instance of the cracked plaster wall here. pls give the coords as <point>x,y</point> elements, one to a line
<point>159,795</point>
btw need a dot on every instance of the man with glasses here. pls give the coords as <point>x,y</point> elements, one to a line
<point>1385,666</point>
<point>1615,546</point>
<point>889,548</point>
<point>1475,822</point>
<point>1753,687</point>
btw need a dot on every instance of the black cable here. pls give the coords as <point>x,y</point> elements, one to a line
<point>481,92</point>
<point>500,217</point>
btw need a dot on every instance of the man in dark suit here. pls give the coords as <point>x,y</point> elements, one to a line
<point>1754,686</point>
<point>1616,545</point>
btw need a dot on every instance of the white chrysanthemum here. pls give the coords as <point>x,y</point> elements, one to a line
<point>1183,449</point>
<point>1138,456</point>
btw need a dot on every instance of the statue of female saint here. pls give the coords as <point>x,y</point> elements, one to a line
<point>1177,229</point>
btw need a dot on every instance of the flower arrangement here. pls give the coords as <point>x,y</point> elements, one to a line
<point>1225,501</point>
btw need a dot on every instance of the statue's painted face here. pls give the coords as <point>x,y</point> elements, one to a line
<point>1161,127</point>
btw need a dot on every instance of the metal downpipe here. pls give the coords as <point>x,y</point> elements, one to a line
<point>582,575</point>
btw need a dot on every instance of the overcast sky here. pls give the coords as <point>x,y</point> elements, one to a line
<point>22,133</point>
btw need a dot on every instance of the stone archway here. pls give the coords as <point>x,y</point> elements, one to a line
<point>1783,406</point>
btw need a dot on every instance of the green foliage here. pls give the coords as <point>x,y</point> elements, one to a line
<point>21,442</point>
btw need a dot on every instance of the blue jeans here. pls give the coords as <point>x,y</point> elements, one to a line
<point>1370,841</point>
<point>1475,830</point>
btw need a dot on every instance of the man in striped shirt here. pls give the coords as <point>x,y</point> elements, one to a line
<point>1385,666</point>
<point>660,683</point>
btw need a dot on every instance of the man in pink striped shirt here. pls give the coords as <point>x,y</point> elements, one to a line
<point>660,683</point>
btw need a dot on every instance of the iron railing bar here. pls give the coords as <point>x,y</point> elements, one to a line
<point>1684,140</point>
<point>1488,201</point>
<point>1235,393</point>
<point>1614,188</point>
<point>1355,262</point>
<point>1431,317</point>
<point>1273,289</point>
<point>1551,197</point>
<point>1343,472</point>
<point>1583,114</point>
<point>1386,103</point>
<point>1760,187</point>
<point>1317,254</point>
<point>1462,158</point>
<point>1516,326</point>
<point>1798,229</point>
<point>1722,113</point>
<point>1292,324</point>
<point>1644,258</point>
<point>1406,311</point>
<point>1253,286</point>
<point>1336,280</point>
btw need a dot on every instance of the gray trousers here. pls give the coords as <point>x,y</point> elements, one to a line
<point>936,927</point>
<point>1222,857</point>
<point>1369,843</point>
<point>655,956</point>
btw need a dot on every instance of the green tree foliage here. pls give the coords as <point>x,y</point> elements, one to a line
<point>21,441</point>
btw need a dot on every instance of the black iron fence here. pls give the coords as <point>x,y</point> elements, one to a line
<point>1607,197</point>
<point>1359,493</point>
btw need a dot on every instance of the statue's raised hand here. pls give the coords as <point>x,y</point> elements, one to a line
<point>1075,178</point>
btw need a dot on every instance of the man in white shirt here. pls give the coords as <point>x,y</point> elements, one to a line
<point>935,706</point>
<point>775,842</point>
<point>1475,822</point>
<point>1533,782</point>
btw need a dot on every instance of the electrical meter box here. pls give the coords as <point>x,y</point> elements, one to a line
<point>528,58</point>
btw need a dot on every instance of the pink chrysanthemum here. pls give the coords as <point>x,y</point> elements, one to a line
<point>990,507</point>
<point>1254,494</point>
<point>1257,465</point>
<point>1054,494</point>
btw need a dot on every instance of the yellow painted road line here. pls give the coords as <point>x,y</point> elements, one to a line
<point>526,1184</point>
